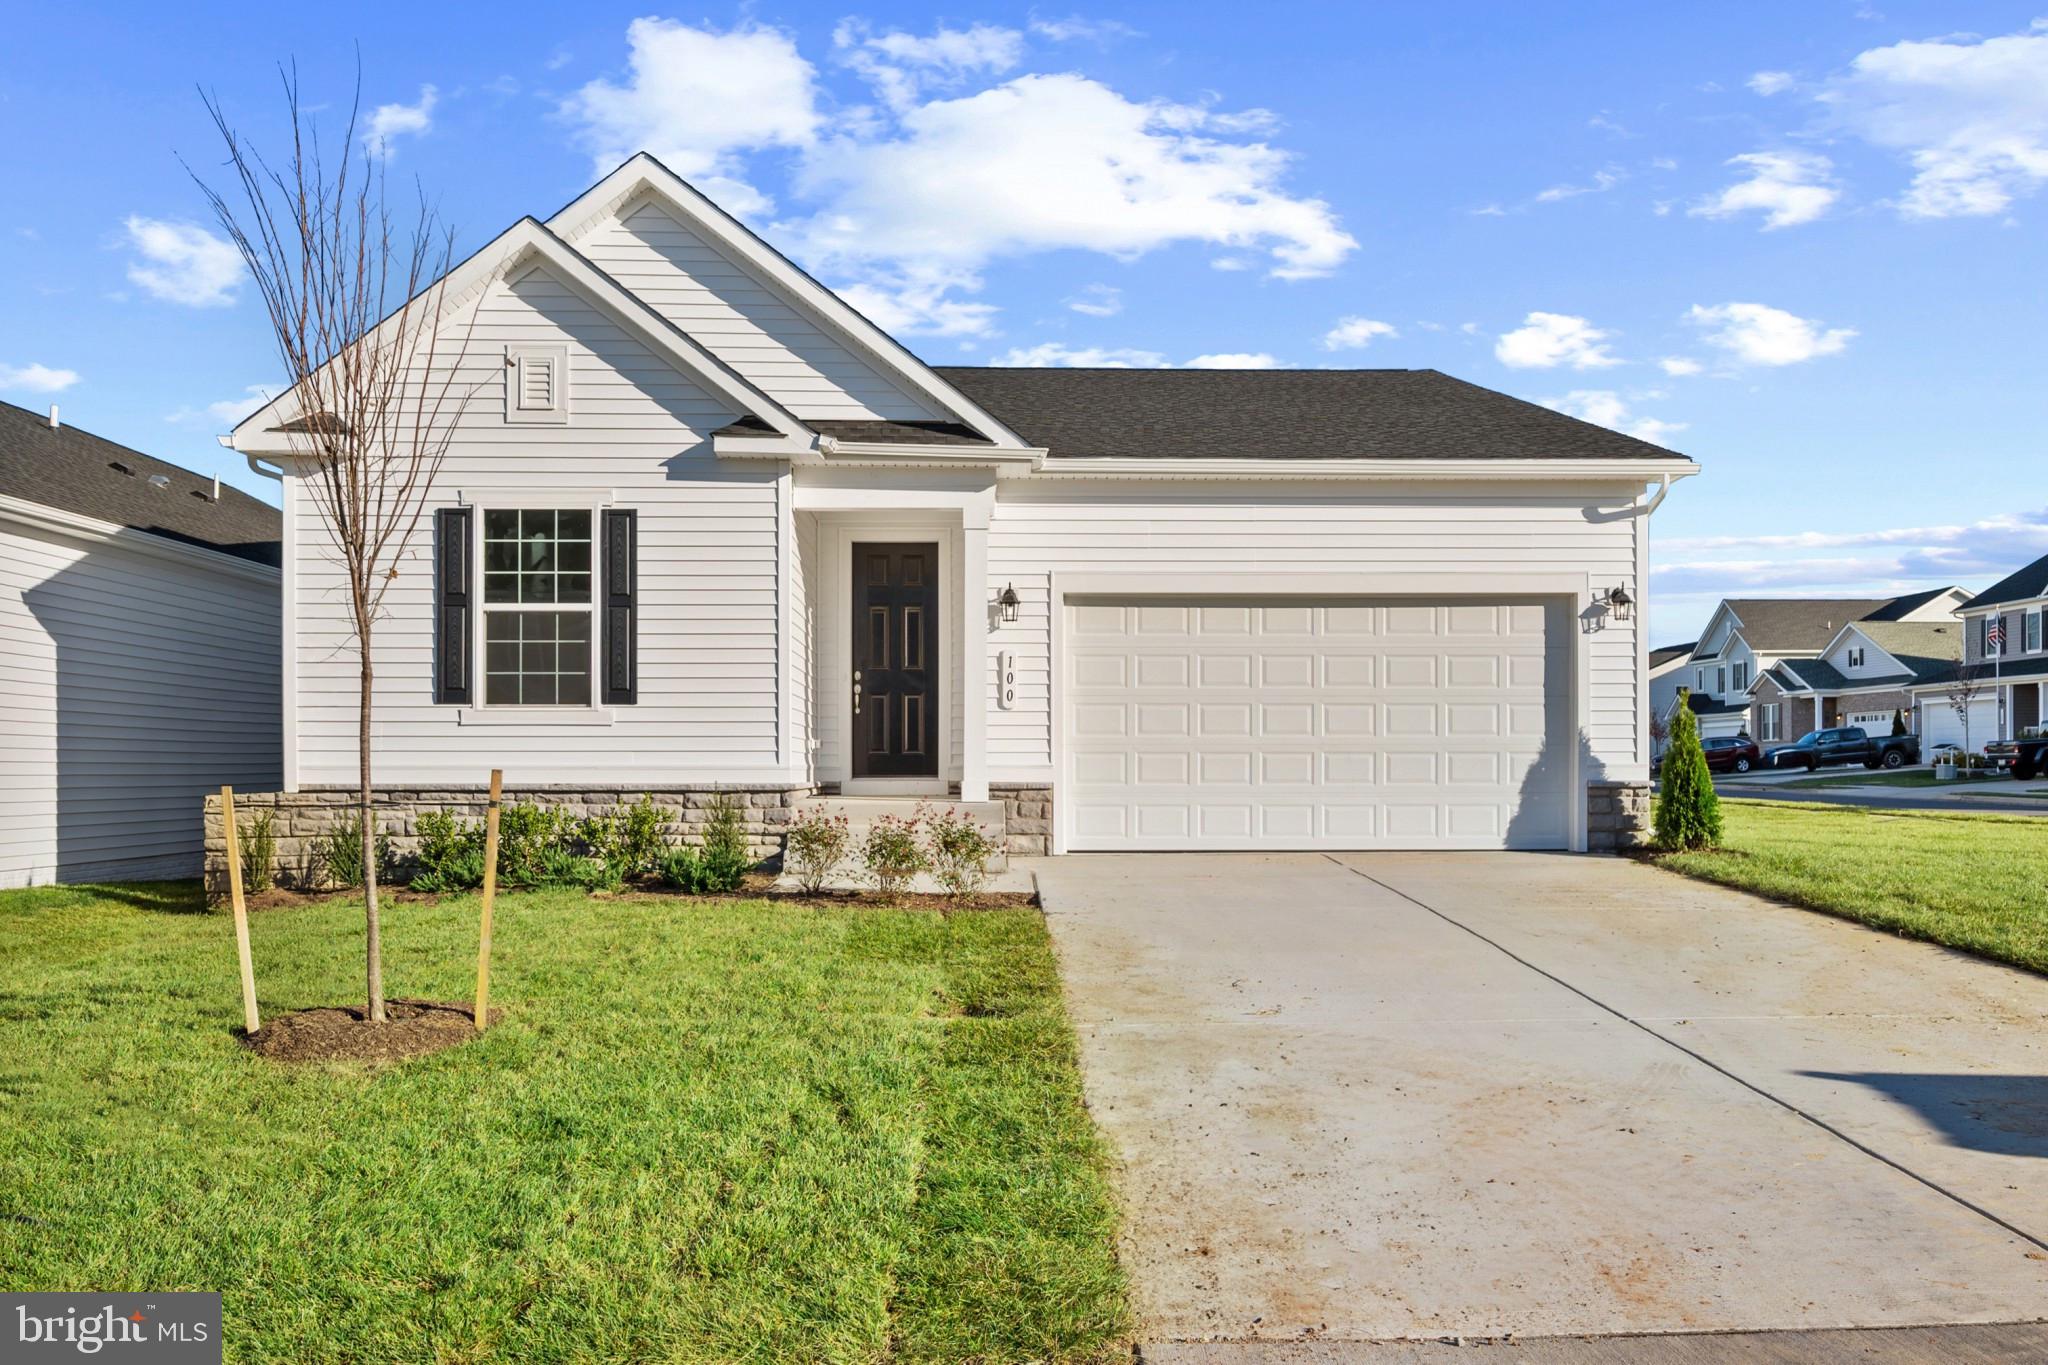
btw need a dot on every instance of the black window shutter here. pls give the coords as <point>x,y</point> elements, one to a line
<point>620,586</point>
<point>451,605</point>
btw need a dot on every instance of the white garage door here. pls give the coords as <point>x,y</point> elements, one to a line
<point>1297,723</point>
<point>1943,725</point>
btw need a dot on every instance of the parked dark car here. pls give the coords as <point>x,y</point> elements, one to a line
<point>1824,748</point>
<point>2027,758</point>
<point>1727,754</point>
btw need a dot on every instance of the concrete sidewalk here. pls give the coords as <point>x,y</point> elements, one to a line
<point>1398,1096</point>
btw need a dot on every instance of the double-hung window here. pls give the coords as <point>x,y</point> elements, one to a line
<point>1741,675</point>
<point>538,624</point>
<point>2031,638</point>
<point>1768,720</point>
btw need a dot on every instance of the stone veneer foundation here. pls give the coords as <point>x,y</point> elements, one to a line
<point>1617,816</point>
<point>1027,817</point>
<point>301,819</point>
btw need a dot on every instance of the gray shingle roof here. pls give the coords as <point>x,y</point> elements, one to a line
<point>1901,607</point>
<point>1081,414</point>
<point>74,471</point>
<point>1930,649</point>
<point>2029,582</point>
<point>1781,625</point>
<point>901,433</point>
<point>1665,654</point>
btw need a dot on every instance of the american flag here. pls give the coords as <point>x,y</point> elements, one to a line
<point>1994,632</point>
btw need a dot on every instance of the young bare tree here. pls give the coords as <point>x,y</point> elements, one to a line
<point>1963,689</point>
<point>354,297</point>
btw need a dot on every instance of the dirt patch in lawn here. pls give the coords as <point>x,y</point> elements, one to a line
<point>411,1028</point>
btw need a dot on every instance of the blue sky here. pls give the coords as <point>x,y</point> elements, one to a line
<point>1801,243</point>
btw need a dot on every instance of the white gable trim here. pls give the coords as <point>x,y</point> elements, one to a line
<point>526,243</point>
<point>642,174</point>
<point>1868,643</point>
<point>41,517</point>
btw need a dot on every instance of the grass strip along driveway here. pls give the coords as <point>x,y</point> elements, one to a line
<point>1972,881</point>
<point>704,1130</point>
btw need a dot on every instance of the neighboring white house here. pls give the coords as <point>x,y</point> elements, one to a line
<point>138,654</point>
<point>1669,670</point>
<point>705,525</point>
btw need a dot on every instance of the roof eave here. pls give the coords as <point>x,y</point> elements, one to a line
<point>1406,470</point>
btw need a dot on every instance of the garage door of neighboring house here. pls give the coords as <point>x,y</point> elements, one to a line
<point>1871,722</point>
<point>1295,723</point>
<point>1942,725</point>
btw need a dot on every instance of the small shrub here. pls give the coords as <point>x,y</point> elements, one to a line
<point>814,847</point>
<point>561,865</point>
<point>1688,811</point>
<point>338,858</point>
<point>958,850</point>
<point>640,837</point>
<point>450,856</point>
<point>701,873</point>
<point>525,834</point>
<point>259,852</point>
<point>891,854</point>
<point>1899,724</point>
<point>725,841</point>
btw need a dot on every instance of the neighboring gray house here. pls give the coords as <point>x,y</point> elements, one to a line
<point>704,525</point>
<point>138,654</point>
<point>2012,677</point>
<point>1668,674</point>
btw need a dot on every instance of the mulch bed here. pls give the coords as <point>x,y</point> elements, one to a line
<point>758,887</point>
<point>412,1028</point>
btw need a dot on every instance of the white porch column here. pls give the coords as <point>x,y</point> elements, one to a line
<point>974,519</point>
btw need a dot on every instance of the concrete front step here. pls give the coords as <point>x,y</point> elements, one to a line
<point>863,811</point>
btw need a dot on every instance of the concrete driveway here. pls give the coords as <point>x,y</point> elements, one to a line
<point>1398,1095</point>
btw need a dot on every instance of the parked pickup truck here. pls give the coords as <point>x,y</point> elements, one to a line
<point>2028,758</point>
<point>1821,748</point>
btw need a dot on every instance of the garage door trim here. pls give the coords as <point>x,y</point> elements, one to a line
<point>1574,590</point>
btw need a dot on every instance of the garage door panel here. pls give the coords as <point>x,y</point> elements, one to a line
<point>1298,723</point>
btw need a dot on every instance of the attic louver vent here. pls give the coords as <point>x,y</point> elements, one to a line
<point>536,384</point>
<point>120,468</point>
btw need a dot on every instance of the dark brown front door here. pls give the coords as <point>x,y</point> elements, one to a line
<point>895,660</point>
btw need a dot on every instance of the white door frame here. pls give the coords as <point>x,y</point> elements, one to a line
<point>837,535</point>
<point>1572,591</point>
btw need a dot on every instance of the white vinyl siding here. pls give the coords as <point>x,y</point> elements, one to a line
<point>744,321</point>
<point>709,550</point>
<point>1103,528</point>
<point>130,686</point>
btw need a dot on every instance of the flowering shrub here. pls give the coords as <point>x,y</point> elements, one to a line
<point>891,854</point>
<point>958,850</point>
<point>814,847</point>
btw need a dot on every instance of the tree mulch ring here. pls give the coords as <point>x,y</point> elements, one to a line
<point>411,1028</point>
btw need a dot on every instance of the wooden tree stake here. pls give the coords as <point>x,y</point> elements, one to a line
<point>234,843</point>
<point>482,1018</point>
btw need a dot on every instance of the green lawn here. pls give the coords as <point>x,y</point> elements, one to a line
<point>1978,882</point>
<point>704,1131</point>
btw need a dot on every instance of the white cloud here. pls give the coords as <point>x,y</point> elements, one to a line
<point>698,98</point>
<point>1047,163</point>
<point>1052,355</point>
<point>1547,340</point>
<point>1356,333</point>
<point>1970,114</point>
<point>1606,408</point>
<point>1073,28</point>
<point>182,263</point>
<point>1098,301</point>
<point>35,378</point>
<point>387,121</point>
<point>1878,562</point>
<point>228,411</point>
<point>1233,360</point>
<point>1788,188</point>
<point>1602,182</point>
<point>1771,82</point>
<point>1757,334</point>
<point>902,66</point>
<point>906,204</point>
<point>1679,366</point>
